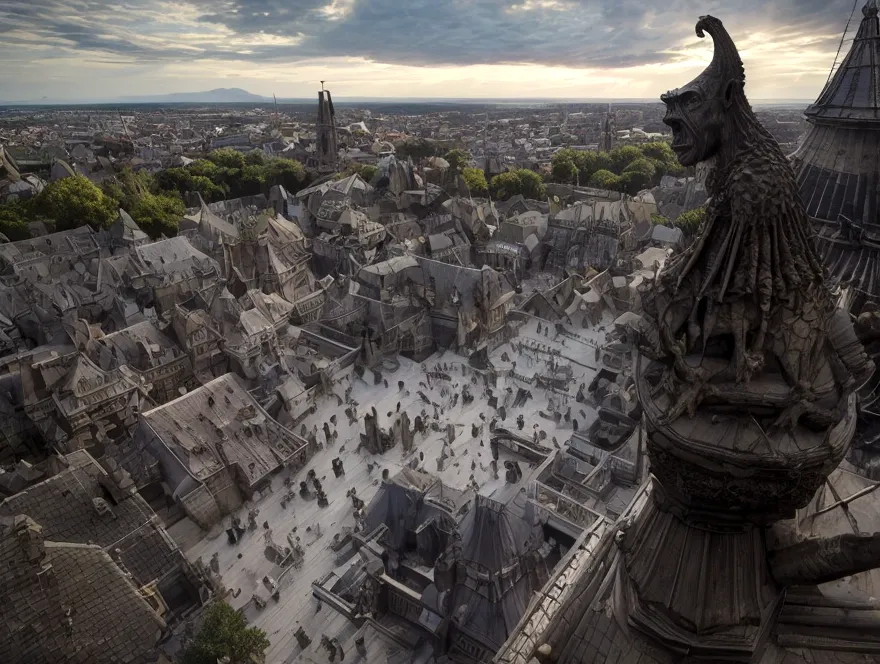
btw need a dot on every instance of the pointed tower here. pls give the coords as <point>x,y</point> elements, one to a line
<point>838,165</point>
<point>326,131</point>
<point>608,132</point>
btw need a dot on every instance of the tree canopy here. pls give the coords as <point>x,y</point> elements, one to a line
<point>638,175</point>
<point>366,171</point>
<point>156,212</point>
<point>563,167</point>
<point>622,157</point>
<point>604,179</point>
<point>689,222</point>
<point>417,149</point>
<point>475,180</point>
<point>14,221</point>
<point>75,201</point>
<point>522,181</point>
<point>636,167</point>
<point>227,173</point>
<point>227,158</point>
<point>458,159</point>
<point>155,202</point>
<point>224,633</point>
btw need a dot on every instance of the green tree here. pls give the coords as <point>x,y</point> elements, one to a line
<point>14,218</point>
<point>522,181</point>
<point>415,149</point>
<point>458,159</point>
<point>563,166</point>
<point>210,192</point>
<point>127,186</point>
<point>365,171</point>
<point>663,158</point>
<point>660,220</point>
<point>158,214</point>
<point>691,221</point>
<point>475,179</point>
<point>532,184</point>
<point>638,175</point>
<point>251,181</point>
<point>202,167</point>
<point>75,201</point>
<point>255,158</point>
<point>588,163</point>
<point>227,158</point>
<point>183,180</point>
<point>224,633</point>
<point>605,179</point>
<point>175,179</point>
<point>659,151</point>
<point>622,157</point>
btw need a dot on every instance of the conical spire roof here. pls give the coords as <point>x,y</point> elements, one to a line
<point>853,94</point>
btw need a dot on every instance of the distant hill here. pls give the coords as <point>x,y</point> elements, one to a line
<point>218,96</point>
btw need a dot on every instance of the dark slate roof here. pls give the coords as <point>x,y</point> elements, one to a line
<point>838,162</point>
<point>837,171</point>
<point>493,540</point>
<point>43,580</point>
<point>850,262</point>
<point>63,507</point>
<point>853,94</point>
<point>111,621</point>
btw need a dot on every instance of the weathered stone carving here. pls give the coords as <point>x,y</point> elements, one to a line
<point>746,382</point>
<point>748,298</point>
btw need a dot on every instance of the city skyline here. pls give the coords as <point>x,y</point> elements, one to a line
<point>92,50</point>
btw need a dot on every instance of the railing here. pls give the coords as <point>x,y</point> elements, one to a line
<point>557,504</point>
<point>463,645</point>
<point>402,605</point>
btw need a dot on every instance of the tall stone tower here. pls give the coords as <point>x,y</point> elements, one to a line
<point>326,133</point>
<point>607,143</point>
<point>838,165</point>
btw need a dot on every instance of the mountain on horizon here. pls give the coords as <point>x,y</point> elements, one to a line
<point>216,96</point>
<point>238,95</point>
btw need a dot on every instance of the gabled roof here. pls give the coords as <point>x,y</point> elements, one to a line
<point>84,377</point>
<point>126,228</point>
<point>174,255</point>
<point>219,425</point>
<point>274,307</point>
<point>253,322</point>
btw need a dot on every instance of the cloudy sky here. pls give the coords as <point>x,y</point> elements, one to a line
<point>97,49</point>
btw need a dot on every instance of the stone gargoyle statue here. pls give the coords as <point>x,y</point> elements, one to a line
<point>743,317</point>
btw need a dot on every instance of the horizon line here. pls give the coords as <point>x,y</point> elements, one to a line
<point>143,100</point>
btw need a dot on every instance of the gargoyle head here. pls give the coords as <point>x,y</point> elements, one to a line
<point>697,113</point>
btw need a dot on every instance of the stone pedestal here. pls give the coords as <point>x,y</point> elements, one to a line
<point>696,578</point>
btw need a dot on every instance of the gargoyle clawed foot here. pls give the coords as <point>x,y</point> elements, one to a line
<point>687,402</point>
<point>746,365</point>
<point>791,416</point>
<point>788,419</point>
